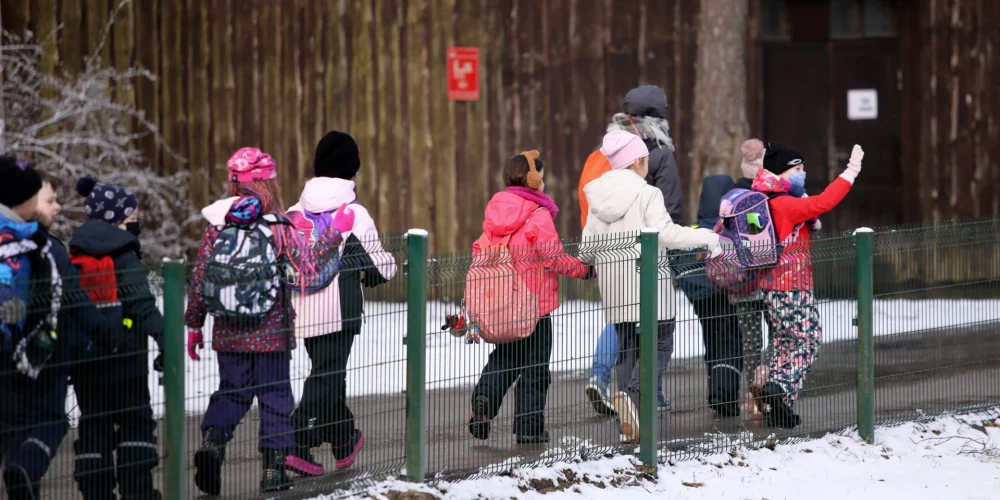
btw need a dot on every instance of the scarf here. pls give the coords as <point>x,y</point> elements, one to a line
<point>646,127</point>
<point>543,200</point>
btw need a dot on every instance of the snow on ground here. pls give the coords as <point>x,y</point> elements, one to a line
<point>378,359</point>
<point>951,457</point>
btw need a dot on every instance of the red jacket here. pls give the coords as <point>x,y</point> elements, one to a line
<point>794,270</point>
<point>534,245</point>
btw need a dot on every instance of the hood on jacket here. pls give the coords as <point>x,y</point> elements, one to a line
<point>768,183</point>
<point>713,188</point>
<point>506,213</point>
<point>11,223</point>
<point>647,100</point>
<point>612,194</point>
<point>97,239</point>
<point>215,213</point>
<point>326,194</point>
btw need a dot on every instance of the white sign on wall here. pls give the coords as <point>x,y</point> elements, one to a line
<point>862,104</point>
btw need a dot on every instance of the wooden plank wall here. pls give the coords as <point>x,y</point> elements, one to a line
<point>278,74</point>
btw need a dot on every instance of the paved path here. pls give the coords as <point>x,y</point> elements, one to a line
<point>928,371</point>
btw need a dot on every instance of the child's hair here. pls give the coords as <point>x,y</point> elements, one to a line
<point>48,179</point>
<point>517,170</point>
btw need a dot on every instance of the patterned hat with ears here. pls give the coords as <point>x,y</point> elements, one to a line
<point>106,202</point>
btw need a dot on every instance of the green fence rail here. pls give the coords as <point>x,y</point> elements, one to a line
<point>909,318</point>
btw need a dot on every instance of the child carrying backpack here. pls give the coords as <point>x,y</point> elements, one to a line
<point>621,202</point>
<point>780,264</point>
<point>239,278</point>
<point>113,389</point>
<point>511,290</point>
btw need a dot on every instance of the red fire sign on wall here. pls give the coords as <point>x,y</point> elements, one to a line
<point>463,73</point>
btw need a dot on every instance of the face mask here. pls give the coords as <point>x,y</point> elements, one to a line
<point>133,227</point>
<point>798,182</point>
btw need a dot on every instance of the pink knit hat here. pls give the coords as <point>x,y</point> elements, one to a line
<point>623,149</point>
<point>251,164</point>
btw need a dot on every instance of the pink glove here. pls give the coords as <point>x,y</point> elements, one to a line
<point>343,220</point>
<point>853,165</point>
<point>196,340</point>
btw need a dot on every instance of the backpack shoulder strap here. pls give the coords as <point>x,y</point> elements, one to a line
<point>277,219</point>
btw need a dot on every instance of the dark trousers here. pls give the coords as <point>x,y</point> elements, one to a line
<point>115,418</point>
<point>243,376</point>
<point>628,357</point>
<point>720,331</point>
<point>32,419</point>
<point>323,415</point>
<point>526,362</point>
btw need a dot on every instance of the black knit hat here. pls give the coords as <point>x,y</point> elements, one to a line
<point>337,156</point>
<point>778,158</point>
<point>19,182</point>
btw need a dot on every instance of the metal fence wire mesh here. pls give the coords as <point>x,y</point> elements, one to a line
<point>446,377</point>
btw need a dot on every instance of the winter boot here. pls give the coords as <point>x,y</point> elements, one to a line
<point>18,484</point>
<point>347,453</point>
<point>479,423</point>
<point>778,413</point>
<point>543,437</point>
<point>301,462</point>
<point>600,396</point>
<point>273,476</point>
<point>208,461</point>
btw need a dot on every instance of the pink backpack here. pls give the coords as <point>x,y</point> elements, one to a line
<point>497,298</point>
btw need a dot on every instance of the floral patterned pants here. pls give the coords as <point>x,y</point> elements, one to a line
<point>794,321</point>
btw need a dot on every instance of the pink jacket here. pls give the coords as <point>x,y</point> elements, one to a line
<point>534,244</point>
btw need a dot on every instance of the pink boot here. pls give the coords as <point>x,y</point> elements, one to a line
<point>348,453</point>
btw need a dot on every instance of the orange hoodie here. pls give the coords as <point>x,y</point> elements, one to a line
<point>597,165</point>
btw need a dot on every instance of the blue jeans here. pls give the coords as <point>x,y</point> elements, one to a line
<point>606,355</point>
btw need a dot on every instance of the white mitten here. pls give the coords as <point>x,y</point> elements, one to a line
<point>853,165</point>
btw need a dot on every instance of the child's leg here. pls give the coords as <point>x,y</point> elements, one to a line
<point>272,384</point>
<point>41,411</point>
<point>605,354</point>
<point>498,375</point>
<point>749,321</point>
<point>797,335</point>
<point>532,388</point>
<point>94,447</point>
<point>136,438</point>
<point>230,403</point>
<point>323,415</point>
<point>628,353</point>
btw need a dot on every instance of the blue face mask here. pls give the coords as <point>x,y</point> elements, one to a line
<point>798,182</point>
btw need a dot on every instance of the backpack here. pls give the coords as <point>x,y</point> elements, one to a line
<point>32,335</point>
<point>596,165</point>
<point>497,298</point>
<point>313,226</point>
<point>97,278</point>
<point>244,275</point>
<point>748,239</point>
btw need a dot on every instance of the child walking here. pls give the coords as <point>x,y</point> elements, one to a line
<point>621,202</point>
<point>788,286</point>
<point>521,218</point>
<point>112,391</point>
<point>247,235</point>
<point>330,316</point>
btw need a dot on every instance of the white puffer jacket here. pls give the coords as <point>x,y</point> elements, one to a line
<point>622,204</point>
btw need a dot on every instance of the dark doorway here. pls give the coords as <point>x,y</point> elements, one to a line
<point>816,52</point>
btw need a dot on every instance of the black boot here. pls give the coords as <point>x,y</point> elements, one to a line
<point>17,483</point>
<point>479,423</point>
<point>778,414</point>
<point>208,461</point>
<point>542,437</point>
<point>273,475</point>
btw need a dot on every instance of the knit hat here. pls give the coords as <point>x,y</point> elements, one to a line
<point>337,156</point>
<point>20,181</point>
<point>753,158</point>
<point>779,158</point>
<point>623,149</point>
<point>251,164</point>
<point>106,202</point>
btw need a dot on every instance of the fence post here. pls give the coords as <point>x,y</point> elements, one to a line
<point>648,367</point>
<point>866,356</point>
<point>416,352</point>
<point>175,452</point>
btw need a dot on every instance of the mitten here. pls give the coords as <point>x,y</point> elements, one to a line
<point>343,220</point>
<point>158,363</point>
<point>716,252</point>
<point>591,273</point>
<point>196,340</point>
<point>853,165</point>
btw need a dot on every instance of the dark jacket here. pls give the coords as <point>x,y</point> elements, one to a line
<point>135,303</point>
<point>689,270</point>
<point>649,101</point>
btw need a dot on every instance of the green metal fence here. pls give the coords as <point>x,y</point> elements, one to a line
<point>909,318</point>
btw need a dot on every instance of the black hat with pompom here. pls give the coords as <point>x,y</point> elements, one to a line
<point>20,182</point>
<point>106,202</point>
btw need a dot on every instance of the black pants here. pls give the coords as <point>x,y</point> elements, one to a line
<point>115,417</point>
<point>526,362</point>
<point>323,415</point>
<point>628,353</point>
<point>32,419</point>
<point>721,334</point>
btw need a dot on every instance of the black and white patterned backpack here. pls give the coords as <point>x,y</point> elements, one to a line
<point>245,273</point>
